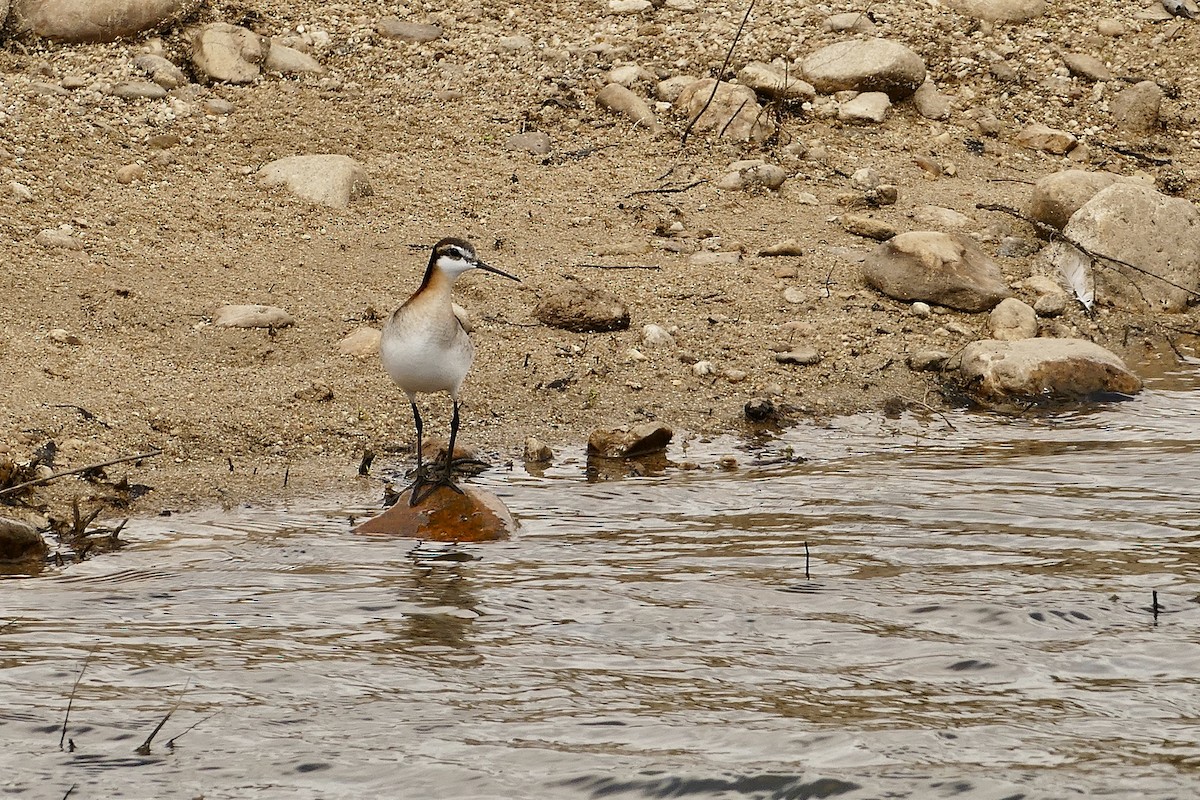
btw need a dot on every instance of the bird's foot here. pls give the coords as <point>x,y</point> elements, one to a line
<point>424,486</point>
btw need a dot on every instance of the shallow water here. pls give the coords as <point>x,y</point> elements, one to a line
<point>977,623</point>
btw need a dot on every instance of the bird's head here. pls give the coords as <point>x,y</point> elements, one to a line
<point>453,257</point>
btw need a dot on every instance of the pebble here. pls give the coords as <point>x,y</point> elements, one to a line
<point>702,369</point>
<point>1050,305</point>
<point>628,6</point>
<point>130,173</point>
<point>759,409</point>
<point>752,174</point>
<point>927,360</point>
<point>733,112</point>
<point>707,259</point>
<point>868,227</point>
<point>138,90</point>
<point>619,99</point>
<point>316,392</point>
<point>535,142</point>
<point>930,103</point>
<point>804,356</point>
<point>774,83</point>
<point>63,336</point>
<point>20,192</point>
<point>1082,65</point>
<point>163,72</point>
<point>94,20</point>
<point>657,336</point>
<point>794,295</point>
<point>1136,108</point>
<point>578,308</point>
<point>1012,319</point>
<point>849,22</point>
<point>628,75</point>
<point>537,451</point>
<point>62,237</point>
<point>866,108</point>
<point>866,65</point>
<point>392,27</point>
<point>252,316</point>
<point>290,61</point>
<point>218,107</point>
<point>327,179</point>
<point>735,375</point>
<point>1110,27</point>
<point>920,309</point>
<point>361,342</point>
<point>1050,140</point>
<point>787,247</point>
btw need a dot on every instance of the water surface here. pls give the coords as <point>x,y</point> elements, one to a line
<point>976,623</point>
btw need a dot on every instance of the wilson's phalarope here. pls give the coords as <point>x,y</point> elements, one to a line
<point>426,349</point>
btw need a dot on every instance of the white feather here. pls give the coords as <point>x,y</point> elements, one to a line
<point>1076,269</point>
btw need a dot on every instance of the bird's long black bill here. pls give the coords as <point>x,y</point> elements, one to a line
<point>499,272</point>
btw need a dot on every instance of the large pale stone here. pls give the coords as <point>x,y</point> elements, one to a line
<point>944,268</point>
<point>866,65</point>
<point>95,20</point>
<point>1041,369</point>
<point>734,112</point>
<point>1132,222</point>
<point>331,180</point>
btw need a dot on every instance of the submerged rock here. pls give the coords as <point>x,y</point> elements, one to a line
<point>20,541</point>
<point>640,440</point>
<point>993,372</point>
<point>476,515</point>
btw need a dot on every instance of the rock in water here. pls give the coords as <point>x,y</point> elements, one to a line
<point>475,515</point>
<point>20,541</point>
<point>640,440</point>
<point>1041,370</point>
<point>944,268</point>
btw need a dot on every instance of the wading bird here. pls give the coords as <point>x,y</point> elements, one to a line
<point>426,349</point>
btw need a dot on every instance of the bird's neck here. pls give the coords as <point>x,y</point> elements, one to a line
<point>437,287</point>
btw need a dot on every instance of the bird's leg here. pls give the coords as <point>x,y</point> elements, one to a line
<point>450,449</point>
<point>447,478</point>
<point>415,497</point>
